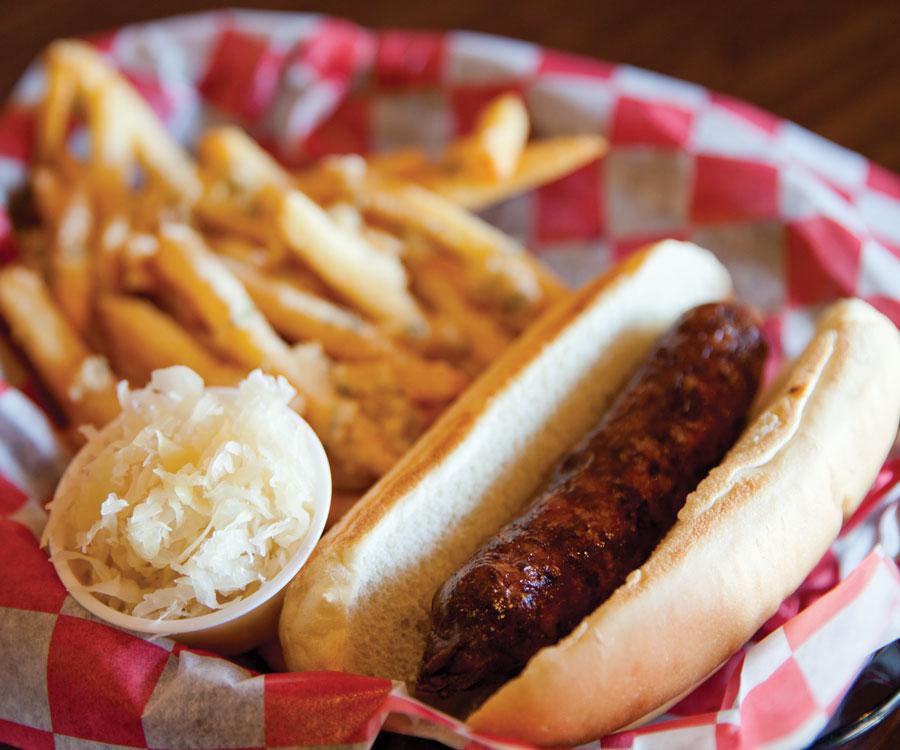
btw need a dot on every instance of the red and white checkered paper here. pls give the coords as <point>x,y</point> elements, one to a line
<point>798,220</point>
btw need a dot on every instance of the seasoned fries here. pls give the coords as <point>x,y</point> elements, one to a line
<point>238,329</point>
<point>70,262</point>
<point>494,148</point>
<point>499,267</point>
<point>124,131</point>
<point>434,281</point>
<point>366,283</point>
<point>473,189</point>
<point>241,333</point>
<point>404,163</point>
<point>541,162</point>
<point>227,153</point>
<point>374,281</point>
<point>301,316</point>
<point>80,381</point>
<point>144,339</point>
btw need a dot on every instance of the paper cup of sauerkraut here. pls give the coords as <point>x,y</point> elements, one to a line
<point>189,513</point>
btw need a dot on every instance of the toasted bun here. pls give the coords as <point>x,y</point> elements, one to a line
<point>362,603</point>
<point>744,540</point>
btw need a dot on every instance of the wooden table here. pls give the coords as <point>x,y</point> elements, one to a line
<point>832,66</point>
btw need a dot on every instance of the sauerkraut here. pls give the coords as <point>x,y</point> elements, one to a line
<point>191,498</point>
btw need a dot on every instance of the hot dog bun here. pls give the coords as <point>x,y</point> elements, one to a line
<point>362,602</point>
<point>746,537</point>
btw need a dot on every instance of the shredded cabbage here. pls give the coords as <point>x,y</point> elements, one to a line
<point>194,496</point>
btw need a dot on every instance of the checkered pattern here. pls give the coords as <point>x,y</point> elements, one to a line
<point>798,221</point>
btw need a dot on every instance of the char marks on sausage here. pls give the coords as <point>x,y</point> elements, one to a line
<point>607,504</point>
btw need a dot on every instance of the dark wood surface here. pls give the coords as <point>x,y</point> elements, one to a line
<point>832,65</point>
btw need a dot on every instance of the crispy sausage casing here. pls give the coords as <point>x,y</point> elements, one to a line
<point>607,504</point>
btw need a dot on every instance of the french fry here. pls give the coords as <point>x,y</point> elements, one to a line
<point>237,327</point>
<point>320,184</point>
<point>445,340</point>
<point>433,280</point>
<point>113,234</point>
<point>50,194</point>
<point>55,111</point>
<point>373,281</point>
<point>346,216</point>
<point>240,332</point>
<point>299,276</point>
<point>12,367</point>
<point>402,163</point>
<point>110,193</point>
<point>373,385</point>
<point>143,339</point>
<point>229,154</point>
<point>499,267</point>
<point>122,126</point>
<point>123,258</point>
<point>152,204</point>
<point>409,207</point>
<point>494,147</point>
<point>80,382</point>
<point>247,253</point>
<point>173,303</point>
<point>383,241</point>
<point>541,162</point>
<point>244,251</point>
<point>236,169</point>
<point>426,381</point>
<point>301,316</point>
<point>222,213</point>
<point>137,262</point>
<point>72,289</point>
<point>71,263</point>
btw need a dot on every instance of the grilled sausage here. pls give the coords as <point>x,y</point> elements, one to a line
<point>607,504</point>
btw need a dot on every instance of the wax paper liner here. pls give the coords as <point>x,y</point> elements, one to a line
<point>799,221</point>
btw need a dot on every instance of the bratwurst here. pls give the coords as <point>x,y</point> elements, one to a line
<point>607,504</point>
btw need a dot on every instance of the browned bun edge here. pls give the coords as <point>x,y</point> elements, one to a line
<point>362,602</point>
<point>746,538</point>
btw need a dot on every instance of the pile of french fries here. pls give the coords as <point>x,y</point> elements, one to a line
<point>367,283</point>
